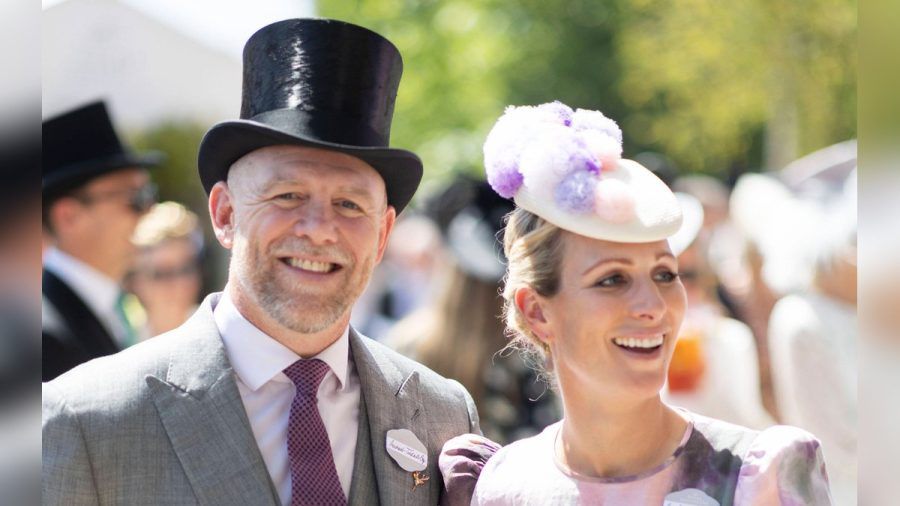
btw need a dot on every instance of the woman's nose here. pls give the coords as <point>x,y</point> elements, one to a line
<point>647,302</point>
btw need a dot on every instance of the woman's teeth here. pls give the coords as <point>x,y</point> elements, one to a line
<point>309,265</point>
<point>631,342</point>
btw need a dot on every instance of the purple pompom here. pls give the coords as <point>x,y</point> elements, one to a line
<point>505,180</point>
<point>559,111</point>
<point>575,193</point>
<point>583,157</point>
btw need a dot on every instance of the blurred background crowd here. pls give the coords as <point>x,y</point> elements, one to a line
<point>746,109</point>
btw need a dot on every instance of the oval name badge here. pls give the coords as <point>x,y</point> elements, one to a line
<point>689,497</point>
<point>405,448</point>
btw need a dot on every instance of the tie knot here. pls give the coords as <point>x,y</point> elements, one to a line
<point>306,374</point>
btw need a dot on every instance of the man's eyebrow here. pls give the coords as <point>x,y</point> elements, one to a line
<point>351,189</point>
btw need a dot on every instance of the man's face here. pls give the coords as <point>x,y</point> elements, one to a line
<point>96,222</point>
<point>306,227</point>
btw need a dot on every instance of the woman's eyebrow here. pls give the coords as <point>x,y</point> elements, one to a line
<point>625,261</point>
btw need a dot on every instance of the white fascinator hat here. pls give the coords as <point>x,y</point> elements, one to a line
<point>566,166</point>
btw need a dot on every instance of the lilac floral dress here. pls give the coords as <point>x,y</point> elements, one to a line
<point>717,463</point>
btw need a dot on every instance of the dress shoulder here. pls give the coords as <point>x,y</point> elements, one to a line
<point>519,472</point>
<point>783,466</point>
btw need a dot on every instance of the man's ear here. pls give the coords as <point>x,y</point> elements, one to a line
<point>63,215</point>
<point>221,213</point>
<point>387,225</point>
<point>532,307</point>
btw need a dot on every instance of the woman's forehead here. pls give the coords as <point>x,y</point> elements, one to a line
<point>581,249</point>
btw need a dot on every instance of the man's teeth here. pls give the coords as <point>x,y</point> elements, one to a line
<point>630,342</point>
<point>309,265</point>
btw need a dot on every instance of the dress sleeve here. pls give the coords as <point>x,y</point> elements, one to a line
<point>461,462</point>
<point>784,466</point>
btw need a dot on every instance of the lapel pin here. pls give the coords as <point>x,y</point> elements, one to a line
<point>419,479</point>
<point>410,454</point>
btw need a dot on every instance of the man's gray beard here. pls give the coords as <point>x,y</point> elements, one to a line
<point>293,307</point>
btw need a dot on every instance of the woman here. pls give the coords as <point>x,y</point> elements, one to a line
<point>167,276</point>
<point>593,289</point>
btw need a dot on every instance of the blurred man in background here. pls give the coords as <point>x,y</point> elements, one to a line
<point>94,191</point>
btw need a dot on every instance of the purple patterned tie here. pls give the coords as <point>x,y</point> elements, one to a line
<point>314,480</point>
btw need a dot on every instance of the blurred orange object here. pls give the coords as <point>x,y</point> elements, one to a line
<point>688,362</point>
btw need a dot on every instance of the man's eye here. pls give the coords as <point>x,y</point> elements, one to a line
<point>287,196</point>
<point>349,204</point>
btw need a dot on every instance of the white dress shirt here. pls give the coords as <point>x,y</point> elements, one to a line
<point>267,393</point>
<point>99,293</point>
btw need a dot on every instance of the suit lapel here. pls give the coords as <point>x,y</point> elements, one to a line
<point>204,417</point>
<point>82,324</point>
<point>363,489</point>
<point>392,402</point>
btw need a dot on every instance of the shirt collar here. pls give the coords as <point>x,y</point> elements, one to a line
<point>96,289</point>
<point>258,358</point>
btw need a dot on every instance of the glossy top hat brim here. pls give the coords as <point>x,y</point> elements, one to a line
<point>81,172</point>
<point>227,142</point>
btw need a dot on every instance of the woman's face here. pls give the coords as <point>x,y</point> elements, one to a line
<point>611,328</point>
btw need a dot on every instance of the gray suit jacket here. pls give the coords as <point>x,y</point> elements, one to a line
<point>163,423</point>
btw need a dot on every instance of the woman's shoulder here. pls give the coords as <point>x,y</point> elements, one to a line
<point>720,435</point>
<point>518,452</point>
<point>522,472</point>
<point>784,464</point>
<point>757,448</point>
<point>755,467</point>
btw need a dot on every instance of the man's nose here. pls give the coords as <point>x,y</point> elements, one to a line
<point>317,222</point>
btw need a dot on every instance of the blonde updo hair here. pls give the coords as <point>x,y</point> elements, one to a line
<point>534,252</point>
<point>167,221</point>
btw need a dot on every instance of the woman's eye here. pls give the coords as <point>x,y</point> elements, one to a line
<point>614,280</point>
<point>666,276</point>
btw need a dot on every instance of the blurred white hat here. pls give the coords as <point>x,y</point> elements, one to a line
<point>692,223</point>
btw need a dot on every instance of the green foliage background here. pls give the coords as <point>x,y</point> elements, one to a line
<point>716,87</point>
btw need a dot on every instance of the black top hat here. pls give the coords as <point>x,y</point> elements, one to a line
<point>320,83</point>
<point>82,144</point>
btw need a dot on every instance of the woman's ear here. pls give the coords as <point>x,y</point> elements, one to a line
<point>533,307</point>
<point>221,213</point>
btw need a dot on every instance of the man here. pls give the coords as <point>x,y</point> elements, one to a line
<point>266,395</point>
<point>94,192</point>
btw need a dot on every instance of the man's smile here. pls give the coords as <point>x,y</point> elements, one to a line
<point>309,265</point>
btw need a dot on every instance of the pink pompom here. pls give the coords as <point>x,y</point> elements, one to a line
<point>613,201</point>
<point>606,149</point>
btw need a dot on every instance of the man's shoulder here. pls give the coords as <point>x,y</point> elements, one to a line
<point>116,379</point>
<point>429,381</point>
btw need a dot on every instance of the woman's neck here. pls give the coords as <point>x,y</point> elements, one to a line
<point>604,439</point>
